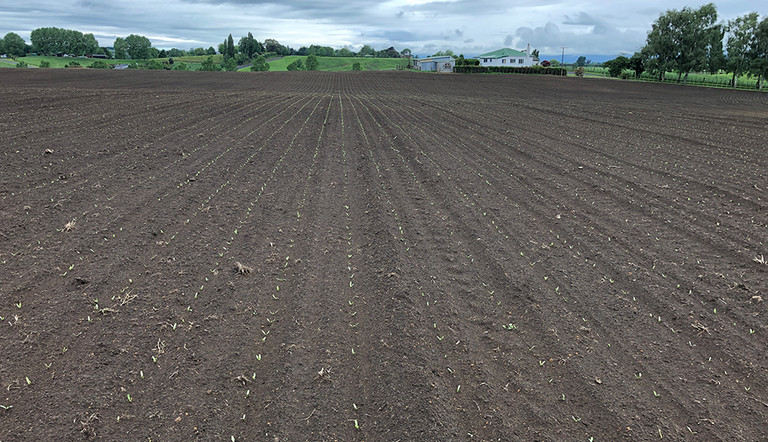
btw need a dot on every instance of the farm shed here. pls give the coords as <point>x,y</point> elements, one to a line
<point>507,57</point>
<point>435,64</point>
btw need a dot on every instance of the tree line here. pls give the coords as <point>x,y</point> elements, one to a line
<point>692,40</point>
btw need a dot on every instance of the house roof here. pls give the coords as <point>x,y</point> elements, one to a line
<point>500,53</point>
<point>438,58</point>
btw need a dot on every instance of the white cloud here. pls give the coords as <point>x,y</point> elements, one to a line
<point>465,26</point>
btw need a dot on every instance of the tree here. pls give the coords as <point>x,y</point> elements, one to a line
<point>209,65</point>
<point>356,66</point>
<point>249,46</point>
<point>740,34</point>
<point>260,64</point>
<point>119,46</point>
<point>581,61</point>
<point>758,53</point>
<point>637,63</point>
<point>616,66</point>
<point>210,51</point>
<point>2,46</point>
<point>137,47</point>
<point>272,45</point>
<point>686,40</point>
<point>366,50</point>
<point>15,46</point>
<point>344,52</point>
<point>312,64</point>
<point>230,48</point>
<point>535,53</point>
<point>444,53</point>
<point>230,65</point>
<point>554,62</point>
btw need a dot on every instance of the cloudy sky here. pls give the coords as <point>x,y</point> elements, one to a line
<point>471,27</point>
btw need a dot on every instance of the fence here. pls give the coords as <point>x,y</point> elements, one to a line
<point>694,79</point>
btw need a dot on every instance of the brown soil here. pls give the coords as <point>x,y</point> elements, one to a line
<point>380,256</point>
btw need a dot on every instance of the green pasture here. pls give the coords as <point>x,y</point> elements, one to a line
<point>193,62</point>
<point>339,63</point>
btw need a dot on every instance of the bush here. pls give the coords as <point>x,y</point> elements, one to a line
<point>45,64</point>
<point>100,64</point>
<point>312,63</point>
<point>260,64</point>
<point>209,65</point>
<point>579,71</point>
<point>230,65</point>
<point>357,66</point>
<point>510,70</point>
<point>72,64</point>
<point>155,65</point>
<point>295,65</point>
<point>181,67</point>
<point>21,64</point>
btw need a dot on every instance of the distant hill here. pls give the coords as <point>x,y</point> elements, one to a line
<point>596,58</point>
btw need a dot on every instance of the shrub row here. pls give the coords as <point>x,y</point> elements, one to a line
<point>509,70</point>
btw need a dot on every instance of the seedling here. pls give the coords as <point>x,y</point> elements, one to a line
<point>130,399</point>
<point>357,426</point>
<point>509,327</point>
<point>28,381</point>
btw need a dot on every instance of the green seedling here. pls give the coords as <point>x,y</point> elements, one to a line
<point>130,399</point>
<point>6,407</point>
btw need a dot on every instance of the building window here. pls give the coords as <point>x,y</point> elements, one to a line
<point>503,60</point>
<point>521,61</point>
<point>512,61</point>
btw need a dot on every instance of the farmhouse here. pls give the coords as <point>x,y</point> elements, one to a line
<point>443,63</point>
<point>507,57</point>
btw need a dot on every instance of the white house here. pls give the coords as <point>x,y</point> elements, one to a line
<point>507,57</point>
<point>443,63</point>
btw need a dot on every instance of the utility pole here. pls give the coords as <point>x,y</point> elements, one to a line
<point>562,57</point>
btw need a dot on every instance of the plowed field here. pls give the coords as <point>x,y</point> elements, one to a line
<point>380,256</point>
